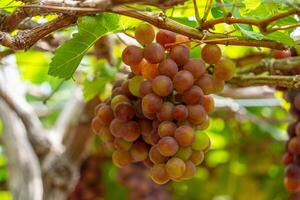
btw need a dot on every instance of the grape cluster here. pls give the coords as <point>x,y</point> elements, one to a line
<point>158,114</point>
<point>291,159</point>
<point>89,185</point>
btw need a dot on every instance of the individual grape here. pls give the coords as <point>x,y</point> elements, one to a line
<point>292,171</point>
<point>164,37</point>
<point>121,144</point>
<point>296,102</point>
<point>132,131</point>
<point>134,85</point>
<point>96,124</point>
<point>149,71</point>
<point>166,128</point>
<point>162,85</point>
<point>180,54</point>
<point>292,185</point>
<point>154,53</point>
<point>145,88</point>
<point>175,168</point>
<point>156,157</point>
<point>184,135</point>
<point>159,174</point>
<point>167,146</point>
<point>132,55</point>
<point>190,170</point>
<point>184,153</point>
<point>201,141</point>
<point>224,69</point>
<point>139,151</point>
<point>180,113</point>
<point>183,81</point>
<point>206,83</point>
<point>196,114</point>
<point>280,54</point>
<point>117,127</point>
<point>294,145</point>
<point>168,68</point>
<point>287,158</point>
<point>98,107</point>
<point>211,53</point>
<point>192,95</point>
<point>105,134</point>
<point>197,157</point>
<point>121,158</point>
<point>151,103</point>
<point>208,103</point>
<point>144,34</point>
<point>166,112</point>
<point>125,90</point>
<point>124,111</point>
<point>183,40</point>
<point>196,67</point>
<point>218,85</point>
<point>146,126</point>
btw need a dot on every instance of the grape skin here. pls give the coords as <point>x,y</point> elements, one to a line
<point>144,34</point>
<point>162,85</point>
<point>132,55</point>
<point>154,53</point>
<point>183,80</point>
<point>211,53</point>
<point>167,146</point>
<point>168,68</point>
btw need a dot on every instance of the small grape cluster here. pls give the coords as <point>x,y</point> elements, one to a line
<point>291,159</point>
<point>89,185</point>
<point>134,177</point>
<point>157,114</point>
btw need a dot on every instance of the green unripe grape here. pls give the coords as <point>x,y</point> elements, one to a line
<point>134,85</point>
<point>201,141</point>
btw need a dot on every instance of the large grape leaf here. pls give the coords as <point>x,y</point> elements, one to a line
<point>68,56</point>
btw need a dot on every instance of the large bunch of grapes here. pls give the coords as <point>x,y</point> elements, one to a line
<point>157,116</point>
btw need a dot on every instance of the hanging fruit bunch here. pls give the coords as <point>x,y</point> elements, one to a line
<point>291,159</point>
<point>157,116</point>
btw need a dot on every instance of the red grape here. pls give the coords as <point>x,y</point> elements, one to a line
<point>168,68</point>
<point>167,146</point>
<point>154,53</point>
<point>196,67</point>
<point>132,55</point>
<point>183,80</point>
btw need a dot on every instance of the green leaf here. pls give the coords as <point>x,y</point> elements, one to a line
<point>281,37</point>
<point>185,21</point>
<point>90,29</point>
<point>247,31</point>
<point>92,88</point>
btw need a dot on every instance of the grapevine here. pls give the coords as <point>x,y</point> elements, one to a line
<point>159,114</point>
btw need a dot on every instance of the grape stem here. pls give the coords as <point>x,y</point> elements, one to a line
<point>272,65</point>
<point>292,82</point>
<point>263,24</point>
<point>25,39</point>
